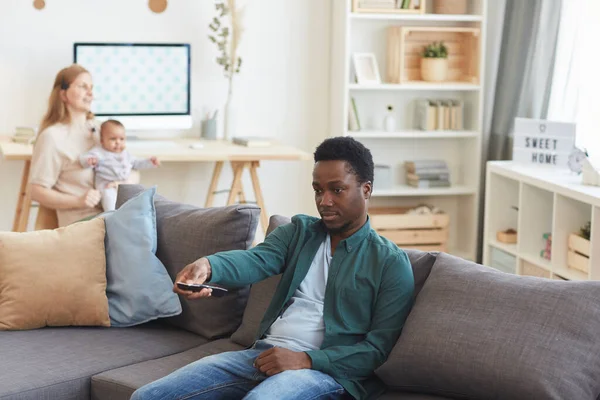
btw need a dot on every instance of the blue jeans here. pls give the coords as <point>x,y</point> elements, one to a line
<point>231,375</point>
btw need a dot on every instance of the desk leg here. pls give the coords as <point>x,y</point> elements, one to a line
<point>264,219</point>
<point>213,184</point>
<point>236,185</point>
<point>23,202</point>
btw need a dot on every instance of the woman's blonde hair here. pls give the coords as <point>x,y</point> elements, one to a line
<point>57,110</point>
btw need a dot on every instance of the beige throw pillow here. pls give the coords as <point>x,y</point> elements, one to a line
<point>54,277</point>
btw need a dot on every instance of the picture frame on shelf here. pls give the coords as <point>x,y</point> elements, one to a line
<point>366,69</point>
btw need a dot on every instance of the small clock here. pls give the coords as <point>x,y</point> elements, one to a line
<point>576,158</point>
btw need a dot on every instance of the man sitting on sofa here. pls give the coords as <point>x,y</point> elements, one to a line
<point>343,298</point>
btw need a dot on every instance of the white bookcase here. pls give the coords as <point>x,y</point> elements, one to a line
<point>535,201</point>
<point>367,33</point>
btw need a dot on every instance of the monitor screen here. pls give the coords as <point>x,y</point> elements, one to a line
<point>137,79</point>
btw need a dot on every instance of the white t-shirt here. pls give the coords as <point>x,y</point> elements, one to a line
<point>301,327</point>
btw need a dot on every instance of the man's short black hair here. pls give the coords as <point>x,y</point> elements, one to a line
<point>345,148</point>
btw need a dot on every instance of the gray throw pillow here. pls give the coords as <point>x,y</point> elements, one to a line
<point>478,333</point>
<point>186,233</point>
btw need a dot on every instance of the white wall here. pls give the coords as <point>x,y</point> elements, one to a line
<point>283,86</point>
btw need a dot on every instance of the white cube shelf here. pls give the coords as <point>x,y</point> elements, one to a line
<point>548,201</point>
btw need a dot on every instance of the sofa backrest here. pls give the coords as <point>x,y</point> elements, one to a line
<point>186,233</point>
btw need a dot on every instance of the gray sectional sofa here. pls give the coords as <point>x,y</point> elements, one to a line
<point>473,332</point>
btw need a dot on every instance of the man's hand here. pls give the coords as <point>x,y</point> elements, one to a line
<point>90,199</point>
<point>155,161</point>
<point>277,359</point>
<point>197,272</point>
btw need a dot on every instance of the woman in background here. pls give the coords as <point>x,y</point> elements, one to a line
<point>57,179</point>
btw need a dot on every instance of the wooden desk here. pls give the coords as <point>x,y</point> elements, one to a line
<point>174,150</point>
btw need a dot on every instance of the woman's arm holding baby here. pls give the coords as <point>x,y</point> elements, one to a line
<point>61,201</point>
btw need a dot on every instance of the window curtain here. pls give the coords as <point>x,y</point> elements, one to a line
<point>576,80</point>
<point>525,69</point>
<point>523,76</point>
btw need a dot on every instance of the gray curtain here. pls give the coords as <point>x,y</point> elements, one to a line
<point>525,69</point>
<point>523,77</point>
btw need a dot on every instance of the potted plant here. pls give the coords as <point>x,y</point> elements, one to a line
<point>434,64</point>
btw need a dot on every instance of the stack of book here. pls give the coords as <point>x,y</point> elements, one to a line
<point>439,114</point>
<point>252,141</point>
<point>25,134</point>
<point>386,4</point>
<point>427,173</point>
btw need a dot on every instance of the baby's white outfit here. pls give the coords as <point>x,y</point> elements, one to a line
<point>112,167</point>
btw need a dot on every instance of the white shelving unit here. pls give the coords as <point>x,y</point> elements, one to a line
<point>547,201</point>
<point>366,33</point>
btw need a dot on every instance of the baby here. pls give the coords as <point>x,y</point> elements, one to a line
<point>112,163</point>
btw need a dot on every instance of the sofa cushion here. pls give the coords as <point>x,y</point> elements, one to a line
<point>475,332</point>
<point>57,363</point>
<point>138,286</point>
<point>421,263</point>
<point>120,383</point>
<point>53,277</point>
<point>261,295</point>
<point>186,233</point>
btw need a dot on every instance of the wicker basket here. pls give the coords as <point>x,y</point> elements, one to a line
<point>450,6</point>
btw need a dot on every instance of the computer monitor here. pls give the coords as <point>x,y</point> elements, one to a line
<point>143,85</point>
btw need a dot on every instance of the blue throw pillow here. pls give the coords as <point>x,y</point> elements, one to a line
<point>139,288</point>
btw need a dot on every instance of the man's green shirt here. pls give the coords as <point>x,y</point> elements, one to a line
<point>368,296</point>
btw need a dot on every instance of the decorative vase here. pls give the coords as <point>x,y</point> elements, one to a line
<point>389,122</point>
<point>229,118</point>
<point>434,69</point>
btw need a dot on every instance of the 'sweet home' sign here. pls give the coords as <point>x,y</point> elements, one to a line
<point>543,142</point>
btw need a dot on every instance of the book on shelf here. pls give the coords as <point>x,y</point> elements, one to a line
<point>428,176</point>
<point>421,165</point>
<point>439,114</point>
<point>353,120</point>
<point>252,141</point>
<point>386,4</point>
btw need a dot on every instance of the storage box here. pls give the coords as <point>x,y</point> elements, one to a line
<point>405,47</point>
<point>529,269</point>
<point>506,237</point>
<point>503,261</point>
<point>427,232</point>
<point>578,256</point>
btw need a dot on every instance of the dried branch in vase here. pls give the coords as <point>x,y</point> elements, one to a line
<point>227,35</point>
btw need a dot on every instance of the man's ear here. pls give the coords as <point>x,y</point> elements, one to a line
<point>367,189</point>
